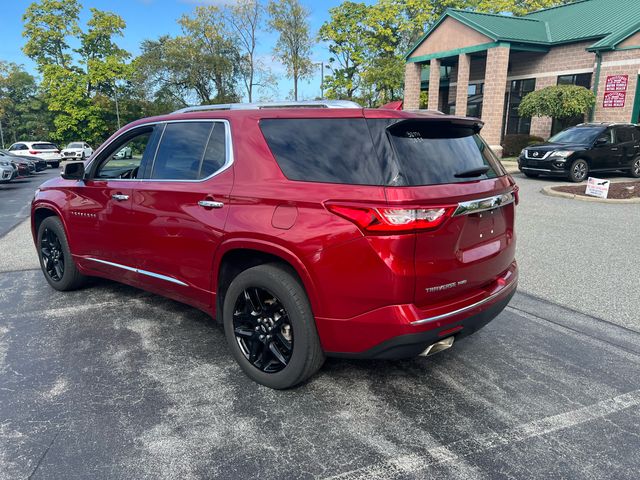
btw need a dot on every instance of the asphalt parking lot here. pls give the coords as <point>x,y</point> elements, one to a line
<point>113,382</point>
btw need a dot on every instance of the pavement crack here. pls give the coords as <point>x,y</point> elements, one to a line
<point>44,454</point>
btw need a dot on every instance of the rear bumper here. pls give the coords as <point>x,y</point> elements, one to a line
<point>400,331</point>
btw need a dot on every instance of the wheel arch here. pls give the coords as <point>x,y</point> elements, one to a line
<point>42,211</point>
<point>239,255</point>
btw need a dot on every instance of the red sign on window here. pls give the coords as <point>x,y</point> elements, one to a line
<point>617,83</point>
<point>614,99</point>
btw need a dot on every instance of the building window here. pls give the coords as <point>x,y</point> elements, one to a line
<point>474,101</point>
<point>580,80</point>
<point>519,89</point>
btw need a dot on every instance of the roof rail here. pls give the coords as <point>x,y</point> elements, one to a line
<point>259,106</point>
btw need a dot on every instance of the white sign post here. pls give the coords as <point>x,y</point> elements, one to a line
<point>597,187</point>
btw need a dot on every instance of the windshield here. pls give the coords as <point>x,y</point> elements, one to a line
<point>74,145</point>
<point>580,135</point>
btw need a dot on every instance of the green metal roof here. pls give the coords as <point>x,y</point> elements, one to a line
<point>608,22</point>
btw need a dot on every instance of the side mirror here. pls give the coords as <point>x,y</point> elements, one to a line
<point>73,171</point>
<point>601,141</point>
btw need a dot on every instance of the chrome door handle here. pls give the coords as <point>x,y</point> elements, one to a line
<point>614,149</point>
<point>120,197</point>
<point>210,204</point>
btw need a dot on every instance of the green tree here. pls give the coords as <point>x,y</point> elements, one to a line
<point>561,101</point>
<point>214,54</point>
<point>293,47</point>
<point>245,18</point>
<point>47,26</point>
<point>79,94</point>
<point>23,113</point>
<point>345,32</point>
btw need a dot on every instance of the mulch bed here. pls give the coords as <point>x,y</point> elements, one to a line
<point>619,191</point>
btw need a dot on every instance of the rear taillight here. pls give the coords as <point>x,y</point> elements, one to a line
<point>34,152</point>
<point>392,220</point>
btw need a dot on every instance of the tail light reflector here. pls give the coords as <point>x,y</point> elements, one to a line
<point>392,220</point>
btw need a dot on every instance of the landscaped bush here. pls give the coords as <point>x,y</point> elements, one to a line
<point>513,144</point>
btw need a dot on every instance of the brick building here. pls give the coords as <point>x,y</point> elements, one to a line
<point>483,65</point>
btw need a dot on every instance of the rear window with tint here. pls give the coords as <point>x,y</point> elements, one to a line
<point>429,153</point>
<point>330,150</point>
<point>44,146</point>
<point>378,152</point>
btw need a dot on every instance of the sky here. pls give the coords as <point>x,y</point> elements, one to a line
<point>149,19</point>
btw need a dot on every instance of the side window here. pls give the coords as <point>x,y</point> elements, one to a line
<point>623,135</point>
<point>606,137</point>
<point>125,157</point>
<point>189,151</point>
<point>216,154</point>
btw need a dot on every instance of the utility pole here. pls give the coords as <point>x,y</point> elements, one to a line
<point>1,135</point>
<point>321,78</point>
<point>115,94</point>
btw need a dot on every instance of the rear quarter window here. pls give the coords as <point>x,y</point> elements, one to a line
<point>329,150</point>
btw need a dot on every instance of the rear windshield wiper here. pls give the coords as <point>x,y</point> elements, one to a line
<point>473,172</point>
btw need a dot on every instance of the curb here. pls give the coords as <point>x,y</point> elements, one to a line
<point>572,196</point>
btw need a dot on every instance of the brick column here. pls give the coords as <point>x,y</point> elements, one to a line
<point>495,87</point>
<point>434,84</point>
<point>464,65</point>
<point>412,81</point>
<point>541,126</point>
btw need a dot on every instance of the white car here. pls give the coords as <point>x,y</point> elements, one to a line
<point>7,171</point>
<point>77,151</point>
<point>47,151</point>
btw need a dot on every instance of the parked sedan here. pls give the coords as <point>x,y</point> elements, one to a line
<point>39,163</point>
<point>25,167</point>
<point>590,147</point>
<point>7,171</point>
<point>77,151</point>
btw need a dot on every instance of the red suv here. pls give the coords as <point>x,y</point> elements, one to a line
<point>323,229</point>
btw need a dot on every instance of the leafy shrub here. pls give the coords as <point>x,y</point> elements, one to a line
<point>513,144</point>
<point>561,101</point>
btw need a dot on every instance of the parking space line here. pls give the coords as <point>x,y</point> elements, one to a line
<point>474,444</point>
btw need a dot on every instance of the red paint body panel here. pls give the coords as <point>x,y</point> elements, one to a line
<point>363,289</point>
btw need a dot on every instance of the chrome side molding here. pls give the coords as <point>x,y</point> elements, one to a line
<point>484,204</point>
<point>141,272</point>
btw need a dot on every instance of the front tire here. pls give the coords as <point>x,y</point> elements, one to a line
<point>270,327</point>
<point>56,260</point>
<point>531,175</point>
<point>579,171</point>
<point>634,171</point>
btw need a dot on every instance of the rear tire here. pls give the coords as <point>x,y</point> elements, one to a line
<point>579,171</point>
<point>634,171</point>
<point>56,261</point>
<point>55,164</point>
<point>270,327</point>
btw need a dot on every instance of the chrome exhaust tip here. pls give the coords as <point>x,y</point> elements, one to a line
<point>443,344</point>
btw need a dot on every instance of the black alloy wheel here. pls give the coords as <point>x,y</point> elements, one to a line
<point>579,171</point>
<point>270,327</point>
<point>52,255</point>
<point>635,168</point>
<point>59,268</point>
<point>263,330</point>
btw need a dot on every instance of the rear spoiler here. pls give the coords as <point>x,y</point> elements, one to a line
<point>464,123</point>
